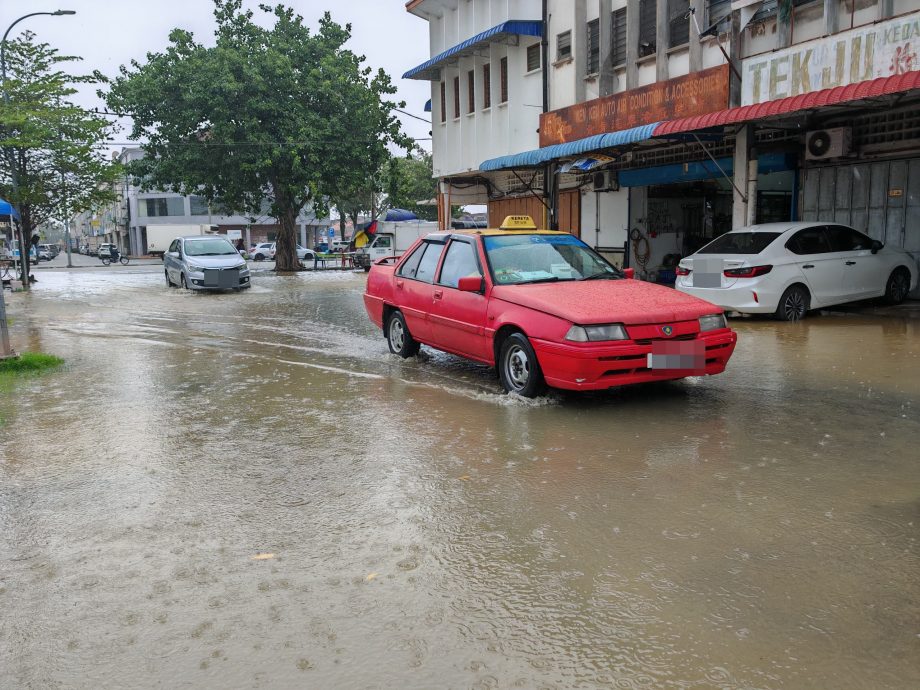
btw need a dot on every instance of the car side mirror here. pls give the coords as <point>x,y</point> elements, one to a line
<point>629,273</point>
<point>471,284</point>
<point>876,245</point>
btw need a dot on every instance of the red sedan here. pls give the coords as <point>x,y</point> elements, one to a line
<point>544,308</point>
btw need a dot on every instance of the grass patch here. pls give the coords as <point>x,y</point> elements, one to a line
<point>29,362</point>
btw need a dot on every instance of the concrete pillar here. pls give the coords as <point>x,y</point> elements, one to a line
<point>751,192</point>
<point>303,234</point>
<point>580,40</point>
<point>743,140</point>
<point>662,37</point>
<point>734,52</point>
<point>632,45</point>
<point>606,78</point>
<point>831,16</point>
<point>696,49</point>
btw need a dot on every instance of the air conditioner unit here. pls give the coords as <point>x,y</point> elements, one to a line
<point>822,144</point>
<point>605,181</point>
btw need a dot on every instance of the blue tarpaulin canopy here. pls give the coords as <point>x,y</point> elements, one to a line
<point>7,210</point>
<point>530,159</point>
<point>428,106</point>
<point>400,214</point>
<point>506,31</point>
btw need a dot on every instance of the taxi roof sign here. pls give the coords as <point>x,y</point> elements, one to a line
<point>518,223</point>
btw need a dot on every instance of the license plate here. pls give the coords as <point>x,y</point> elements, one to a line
<point>707,273</point>
<point>684,355</point>
<point>222,279</point>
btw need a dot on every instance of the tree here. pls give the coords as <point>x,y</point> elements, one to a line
<point>410,180</point>
<point>363,199</point>
<point>283,114</point>
<point>52,147</point>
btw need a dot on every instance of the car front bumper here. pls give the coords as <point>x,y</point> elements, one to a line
<point>602,366</point>
<point>195,281</point>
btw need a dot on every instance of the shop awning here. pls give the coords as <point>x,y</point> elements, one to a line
<point>874,88</point>
<point>431,69</point>
<point>6,209</point>
<point>535,157</point>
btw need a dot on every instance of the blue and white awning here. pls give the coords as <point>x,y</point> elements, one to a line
<point>502,33</point>
<point>571,149</point>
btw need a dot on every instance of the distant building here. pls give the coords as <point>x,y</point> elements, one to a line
<point>125,222</point>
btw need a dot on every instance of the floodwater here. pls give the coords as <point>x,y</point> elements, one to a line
<point>247,491</point>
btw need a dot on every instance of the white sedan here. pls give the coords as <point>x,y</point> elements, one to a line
<point>788,268</point>
<point>303,253</point>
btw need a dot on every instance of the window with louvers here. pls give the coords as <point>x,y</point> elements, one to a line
<point>456,97</point>
<point>679,23</point>
<point>618,37</point>
<point>564,45</point>
<point>594,46</point>
<point>487,86</point>
<point>533,57</point>
<point>471,92</point>
<point>503,79</point>
<point>647,24</point>
<point>443,101</point>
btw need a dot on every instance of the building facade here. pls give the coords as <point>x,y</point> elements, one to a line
<point>664,123</point>
<point>125,221</point>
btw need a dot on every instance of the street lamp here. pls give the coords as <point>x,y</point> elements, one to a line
<point>14,200</point>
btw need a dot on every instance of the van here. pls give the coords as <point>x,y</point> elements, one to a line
<point>339,246</point>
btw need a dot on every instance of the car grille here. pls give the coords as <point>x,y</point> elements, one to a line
<point>222,278</point>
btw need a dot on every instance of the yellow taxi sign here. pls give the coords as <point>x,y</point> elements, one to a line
<point>518,223</point>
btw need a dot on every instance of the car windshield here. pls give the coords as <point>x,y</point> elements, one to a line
<point>740,243</point>
<point>209,247</point>
<point>518,259</point>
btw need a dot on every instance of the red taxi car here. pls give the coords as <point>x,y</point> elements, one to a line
<point>543,308</point>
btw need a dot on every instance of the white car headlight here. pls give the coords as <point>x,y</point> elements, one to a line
<point>584,334</point>
<point>712,321</point>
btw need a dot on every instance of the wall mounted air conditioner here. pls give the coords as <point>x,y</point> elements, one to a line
<point>605,181</point>
<point>822,144</point>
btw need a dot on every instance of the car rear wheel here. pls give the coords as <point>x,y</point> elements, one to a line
<point>518,368</point>
<point>793,305</point>
<point>399,339</point>
<point>898,286</point>
<point>259,257</point>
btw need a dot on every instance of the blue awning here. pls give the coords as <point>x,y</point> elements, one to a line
<point>431,70</point>
<point>6,209</point>
<point>428,106</point>
<point>530,159</point>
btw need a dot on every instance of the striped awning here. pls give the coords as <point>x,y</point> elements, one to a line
<point>431,69</point>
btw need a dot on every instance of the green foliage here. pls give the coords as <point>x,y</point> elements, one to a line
<point>410,180</point>
<point>281,113</point>
<point>29,362</point>
<point>55,148</point>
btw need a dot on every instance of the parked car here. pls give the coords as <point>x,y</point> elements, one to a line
<point>44,254</point>
<point>786,269</point>
<point>105,250</point>
<point>262,251</point>
<point>205,262</point>
<point>544,308</point>
<point>303,253</point>
<point>339,246</point>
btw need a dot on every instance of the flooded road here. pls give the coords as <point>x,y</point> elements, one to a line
<point>248,491</point>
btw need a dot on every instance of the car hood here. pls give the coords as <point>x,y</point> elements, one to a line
<point>630,302</point>
<point>218,261</point>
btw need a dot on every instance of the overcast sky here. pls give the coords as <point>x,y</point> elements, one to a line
<point>109,33</point>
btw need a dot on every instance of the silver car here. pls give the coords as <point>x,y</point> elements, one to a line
<point>204,262</point>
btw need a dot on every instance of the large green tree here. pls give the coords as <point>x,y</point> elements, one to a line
<point>282,113</point>
<point>54,149</point>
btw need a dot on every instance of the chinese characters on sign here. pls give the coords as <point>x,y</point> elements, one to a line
<point>694,94</point>
<point>882,50</point>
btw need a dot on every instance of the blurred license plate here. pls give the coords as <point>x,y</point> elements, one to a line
<point>226,279</point>
<point>687,355</point>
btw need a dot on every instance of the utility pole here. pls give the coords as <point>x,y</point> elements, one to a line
<point>66,219</point>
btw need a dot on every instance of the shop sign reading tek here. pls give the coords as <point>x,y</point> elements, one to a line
<point>882,50</point>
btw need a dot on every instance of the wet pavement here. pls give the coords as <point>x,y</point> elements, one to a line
<point>247,490</point>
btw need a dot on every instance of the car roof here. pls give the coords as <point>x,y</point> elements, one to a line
<point>784,227</point>
<point>203,237</point>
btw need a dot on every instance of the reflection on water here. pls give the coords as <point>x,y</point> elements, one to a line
<point>756,529</point>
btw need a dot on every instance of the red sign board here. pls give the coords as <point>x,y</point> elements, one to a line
<point>693,94</point>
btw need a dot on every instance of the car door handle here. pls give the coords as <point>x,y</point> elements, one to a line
<point>808,266</point>
<point>438,294</point>
<point>851,263</point>
<point>399,284</point>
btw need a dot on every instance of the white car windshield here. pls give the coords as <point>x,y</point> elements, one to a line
<point>516,259</point>
<point>209,247</point>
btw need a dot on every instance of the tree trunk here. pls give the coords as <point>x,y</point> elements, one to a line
<point>286,243</point>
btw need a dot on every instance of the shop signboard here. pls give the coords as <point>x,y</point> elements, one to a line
<point>879,50</point>
<point>693,94</point>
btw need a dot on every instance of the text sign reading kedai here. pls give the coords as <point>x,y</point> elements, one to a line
<point>881,50</point>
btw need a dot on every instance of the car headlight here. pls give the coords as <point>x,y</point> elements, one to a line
<point>193,267</point>
<point>584,334</point>
<point>712,321</point>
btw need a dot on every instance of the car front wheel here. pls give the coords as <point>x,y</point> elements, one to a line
<point>169,283</point>
<point>898,286</point>
<point>518,368</point>
<point>259,257</point>
<point>399,339</point>
<point>793,305</point>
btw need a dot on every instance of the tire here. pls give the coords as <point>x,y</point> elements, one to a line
<point>123,260</point>
<point>182,283</point>
<point>169,283</point>
<point>259,257</point>
<point>398,337</point>
<point>898,286</point>
<point>518,368</point>
<point>106,262</point>
<point>794,304</point>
